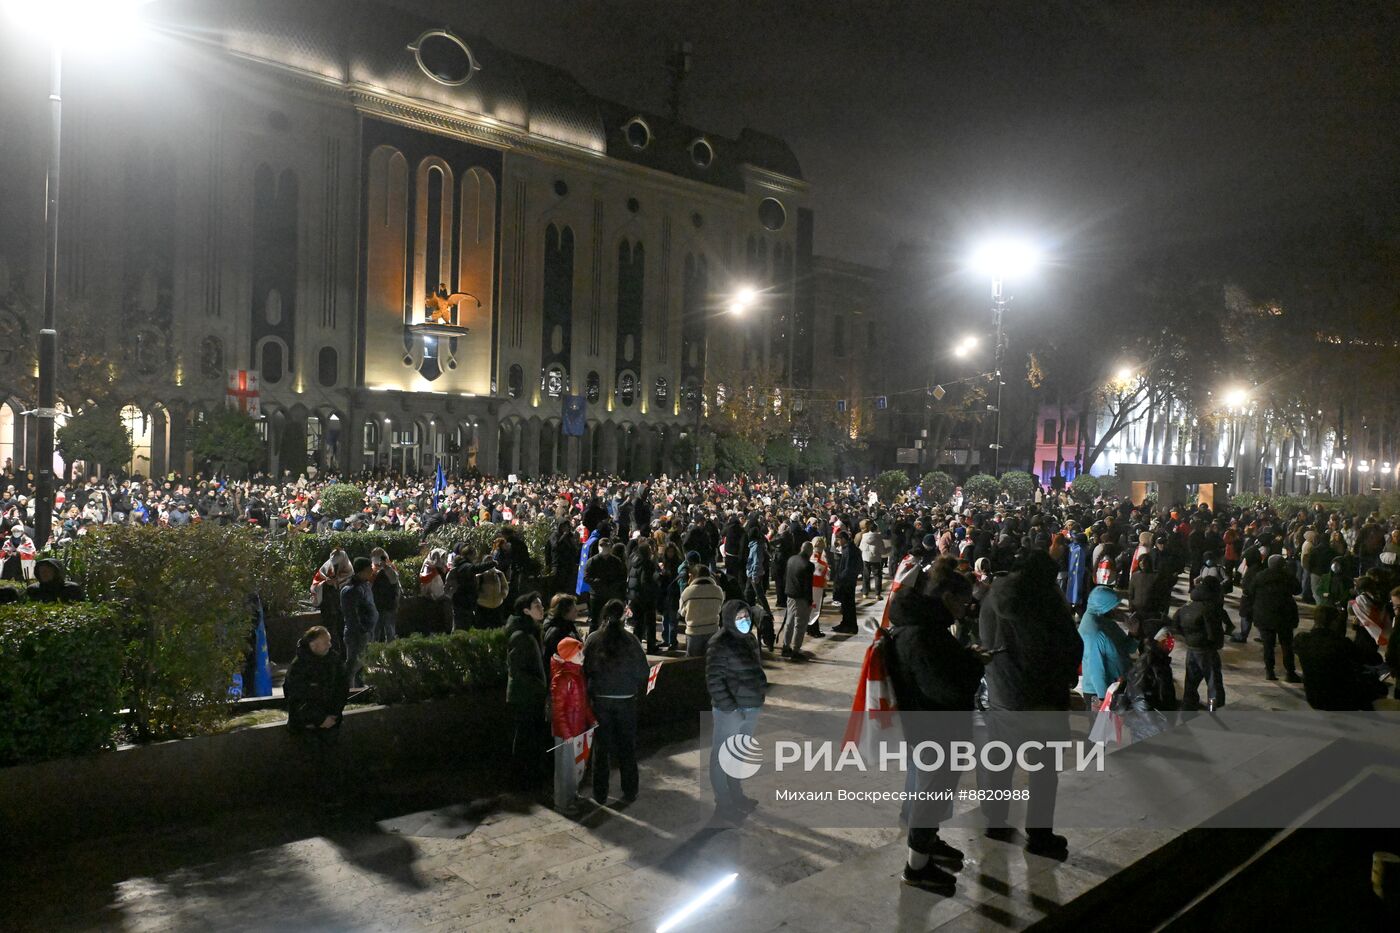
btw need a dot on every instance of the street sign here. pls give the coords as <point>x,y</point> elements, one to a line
<point>841,406</point>
<point>1268,477</point>
<point>881,402</point>
<point>906,455</point>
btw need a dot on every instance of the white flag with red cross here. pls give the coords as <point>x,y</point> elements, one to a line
<point>242,393</point>
<point>651,677</point>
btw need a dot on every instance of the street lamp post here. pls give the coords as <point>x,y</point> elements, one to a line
<point>48,334</point>
<point>1001,258</point>
<point>743,298</point>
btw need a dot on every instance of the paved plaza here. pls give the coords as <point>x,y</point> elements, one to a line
<point>484,863</point>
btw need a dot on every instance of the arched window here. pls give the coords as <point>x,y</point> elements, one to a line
<point>663,390</point>
<point>370,436</point>
<point>555,382</point>
<point>515,381</point>
<point>327,367</point>
<point>627,389</point>
<point>138,426</point>
<point>272,363</point>
<point>211,358</point>
<point>594,387</point>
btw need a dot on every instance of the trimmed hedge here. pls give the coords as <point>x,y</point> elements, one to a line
<point>310,551</point>
<point>890,484</point>
<point>938,487</point>
<point>1084,489</point>
<point>427,667</point>
<point>1019,485</point>
<point>60,680</point>
<point>340,500</point>
<point>981,487</point>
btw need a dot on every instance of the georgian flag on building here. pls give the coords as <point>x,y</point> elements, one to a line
<point>242,393</point>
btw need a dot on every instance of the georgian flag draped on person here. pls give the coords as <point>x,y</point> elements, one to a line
<point>19,547</point>
<point>1371,616</point>
<point>873,706</point>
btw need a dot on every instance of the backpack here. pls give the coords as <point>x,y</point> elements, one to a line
<point>491,589</point>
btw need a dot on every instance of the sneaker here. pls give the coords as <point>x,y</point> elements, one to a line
<point>814,632</point>
<point>1046,843</point>
<point>845,630</point>
<point>930,878</point>
<point>1292,677</point>
<point>786,652</point>
<point>945,854</point>
<point>1270,675</point>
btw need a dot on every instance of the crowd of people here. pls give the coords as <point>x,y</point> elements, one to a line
<point>1001,605</point>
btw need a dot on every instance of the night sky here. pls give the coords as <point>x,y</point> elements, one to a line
<point>1109,131</point>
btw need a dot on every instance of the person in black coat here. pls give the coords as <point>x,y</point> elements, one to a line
<point>564,547</point>
<point>316,687</point>
<point>561,623</point>
<point>606,576</point>
<point>844,577</point>
<point>736,682</point>
<point>616,671</point>
<point>734,552</point>
<point>462,582</point>
<point>1202,623</point>
<point>527,691</point>
<point>784,545</point>
<point>643,594</point>
<point>1150,588</point>
<point>51,584</point>
<point>1335,675</point>
<point>1276,615</point>
<point>931,672</point>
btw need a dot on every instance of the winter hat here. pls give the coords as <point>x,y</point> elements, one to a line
<point>1102,600</point>
<point>1275,560</point>
<point>692,557</point>
<point>569,649</point>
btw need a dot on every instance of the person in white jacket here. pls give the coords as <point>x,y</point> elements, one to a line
<point>872,557</point>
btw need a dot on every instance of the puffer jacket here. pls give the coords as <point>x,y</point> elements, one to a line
<point>700,606</point>
<point>1274,606</point>
<point>316,687</point>
<point>571,714</point>
<point>733,666</point>
<point>1032,622</point>
<point>1202,621</point>
<point>929,669</point>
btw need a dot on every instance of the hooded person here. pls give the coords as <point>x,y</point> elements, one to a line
<point>931,672</point>
<point>1202,623</point>
<point>1106,646</point>
<point>616,671</point>
<point>51,584</point>
<point>1276,615</point>
<point>1029,628</point>
<point>736,682</point>
<point>316,686</point>
<point>570,716</point>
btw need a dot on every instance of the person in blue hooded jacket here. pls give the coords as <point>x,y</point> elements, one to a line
<point>1106,646</point>
<point>589,547</point>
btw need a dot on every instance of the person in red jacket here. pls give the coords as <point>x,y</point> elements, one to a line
<point>570,715</point>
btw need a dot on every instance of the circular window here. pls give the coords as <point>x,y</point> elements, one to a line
<point>772,214</point>
<point>702,153</point>
<point>638,133</point>
<point>697,220</point>
<point>444,58</point>
<point>634,205</point>
<point>561,187</point>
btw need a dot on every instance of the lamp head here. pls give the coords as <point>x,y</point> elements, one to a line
<point>1004,258</point>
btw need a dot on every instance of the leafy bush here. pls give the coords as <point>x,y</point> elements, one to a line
<point>310,551</point>
<point>96,435</point>
<point>60,680</point>
<point>735,455</point>
<point>182,595</point>
<point>818,458</point>
<point>1109,487</point>
<point>479,537</point>
<point>938,487</point>
<point>339,500</point>
<point>227,438</point>
<point>1390,504</point>
<point>1084,489</point>
<point>1249,500</point>
<point>890,484</point>
<point>1361,505</point>
<point>778,453</point>
<point>426,667</point>
<point>981,487</point>
<point>1020,486</point>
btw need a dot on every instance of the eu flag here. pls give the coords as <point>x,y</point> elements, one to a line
<point>575,415</point>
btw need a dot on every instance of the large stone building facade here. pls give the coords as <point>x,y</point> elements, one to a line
<point>419,243</point>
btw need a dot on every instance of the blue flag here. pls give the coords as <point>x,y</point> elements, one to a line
<point>575,415</point>
<point>439,484</point>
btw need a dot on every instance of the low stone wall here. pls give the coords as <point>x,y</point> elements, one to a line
<point>139,787</point>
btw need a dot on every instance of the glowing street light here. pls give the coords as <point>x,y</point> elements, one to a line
<point>965,346</point>
<point>57,21</point>
<point>1125,374</point>
<point>744,298</point>
<point>1236,398</point>
<point>1002,258</point>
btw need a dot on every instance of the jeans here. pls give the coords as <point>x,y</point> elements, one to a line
<point>729,791</point>
<point>615,741</point>
<point>795,619</point>
<point>874,569</point>
<point>356,637</point>
<point>1203,664</point>
<point>668,626</point>
<point>387,628</point>
<point>695,645</point>
<point>1284,636</point>
<point>1044,783</point>
<point>565,774</point>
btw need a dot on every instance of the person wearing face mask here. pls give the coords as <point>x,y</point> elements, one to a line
<point>736,681</point>
<point>17,555</point>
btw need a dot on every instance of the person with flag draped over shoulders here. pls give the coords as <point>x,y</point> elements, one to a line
<point>570,717</point>
<point>932,673</point>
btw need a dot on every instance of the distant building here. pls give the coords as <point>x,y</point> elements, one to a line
<point>278,189</point>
